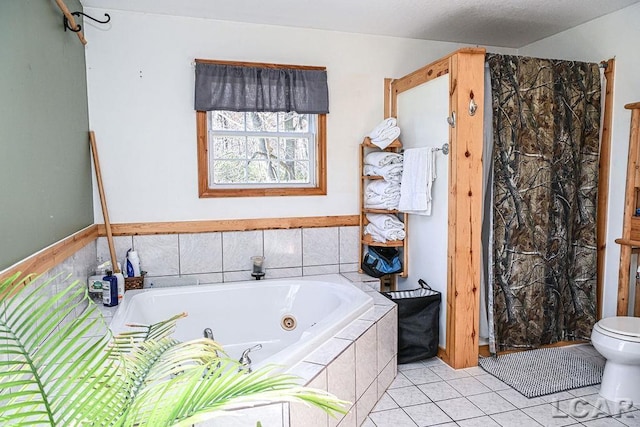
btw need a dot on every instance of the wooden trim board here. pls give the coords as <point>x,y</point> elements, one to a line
<point>603,184</point>
<point>53,255</point>
<point>186,227</point>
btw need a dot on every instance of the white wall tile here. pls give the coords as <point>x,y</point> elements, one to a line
<point>341,379</point>
<point>301,415</point>
<point>158,254</point>
<point>349,244</point>
<point>366,403</point>
<point>237,276</point>
<point>204,279</point>
<point>349,268</point>
<point>200,253</point>
<point>238,247</point>
<point>283,248</point>
<point>387,338</point>
<point>349,419</point>
<point>281,273</point>
<point>387,376</point>
<point>366,360</point>
<point>328,351</point>
<point>320,269</point>
<point>320,246</point>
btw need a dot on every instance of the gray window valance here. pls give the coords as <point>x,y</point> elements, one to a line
<point>248,88</point>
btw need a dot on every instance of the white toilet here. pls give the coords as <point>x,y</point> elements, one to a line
<point>617,339</point>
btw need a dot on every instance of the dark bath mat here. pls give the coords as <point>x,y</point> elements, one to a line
<point>544,371</point>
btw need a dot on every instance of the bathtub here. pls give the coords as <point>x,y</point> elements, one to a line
<point>244,314</point>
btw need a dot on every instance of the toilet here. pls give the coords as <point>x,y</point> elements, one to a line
<point>617,339</point>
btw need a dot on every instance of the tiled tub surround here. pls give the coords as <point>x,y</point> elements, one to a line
<point>358,364</point>
<point>225,256</point>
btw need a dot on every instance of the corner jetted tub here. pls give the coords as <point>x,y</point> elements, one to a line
<point>290,318</point>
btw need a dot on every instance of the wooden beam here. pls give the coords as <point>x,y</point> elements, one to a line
<point>431,71</point>
<point>187,227</point>
<point>603,184</point>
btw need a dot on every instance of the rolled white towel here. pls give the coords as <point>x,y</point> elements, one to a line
<point>385,124</point>
<point>391,173</point>
<point>382,236</point>
<point>385,221</point>
<point>382,158</point>
<point>380,202</point>
<point>382,187</point>
<point>386,137</point>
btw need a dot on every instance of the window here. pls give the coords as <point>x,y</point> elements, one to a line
<point>253,152</point>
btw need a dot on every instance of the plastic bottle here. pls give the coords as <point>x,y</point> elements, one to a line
<point>110,292</point>
<point>120,286</point>
<point>133,264</point>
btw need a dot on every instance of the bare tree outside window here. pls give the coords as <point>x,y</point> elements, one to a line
<point>261,148</point>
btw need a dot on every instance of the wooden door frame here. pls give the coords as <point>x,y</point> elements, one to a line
<point>466,82</point>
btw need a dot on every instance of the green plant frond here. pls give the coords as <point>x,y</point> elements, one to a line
<point>12,284</point>
<point>51,365</point>
<point>140,333</point>
<point>200,390</point>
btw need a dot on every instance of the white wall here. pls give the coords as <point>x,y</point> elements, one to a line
<point>615,35</point>
<point>422,114</point>
<point>140,82</point>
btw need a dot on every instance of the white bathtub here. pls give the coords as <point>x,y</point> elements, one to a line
<point>243,314</point>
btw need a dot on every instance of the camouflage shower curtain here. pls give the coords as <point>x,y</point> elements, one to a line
<point>546,120</point>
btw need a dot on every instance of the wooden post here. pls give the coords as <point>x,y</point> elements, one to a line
<point>466,70</point>
<point>629,209</point>
<point>603,184</point>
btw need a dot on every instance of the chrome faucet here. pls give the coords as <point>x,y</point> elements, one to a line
<point>245,361</point>
<point>208,333</point>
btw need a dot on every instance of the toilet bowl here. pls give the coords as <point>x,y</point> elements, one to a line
<point>617,339</point>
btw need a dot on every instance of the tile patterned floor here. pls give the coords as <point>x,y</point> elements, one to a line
<point>430,393</point>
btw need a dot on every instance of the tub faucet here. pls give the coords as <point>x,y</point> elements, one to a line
<point>245,361</point>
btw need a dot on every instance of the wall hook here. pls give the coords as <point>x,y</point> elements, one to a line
<point>473,107</point>
<point>78,26</point>
<point>452,119</point>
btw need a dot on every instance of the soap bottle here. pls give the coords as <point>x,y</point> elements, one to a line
<point>119,285</point>
<point>110,292</point>
<point>133,264</point>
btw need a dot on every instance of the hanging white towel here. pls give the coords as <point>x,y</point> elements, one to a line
<point>418,174</point>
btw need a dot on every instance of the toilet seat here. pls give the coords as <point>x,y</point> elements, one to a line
<point>620,327</point>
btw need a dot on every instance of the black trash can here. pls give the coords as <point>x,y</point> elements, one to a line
<point>418,322</point>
